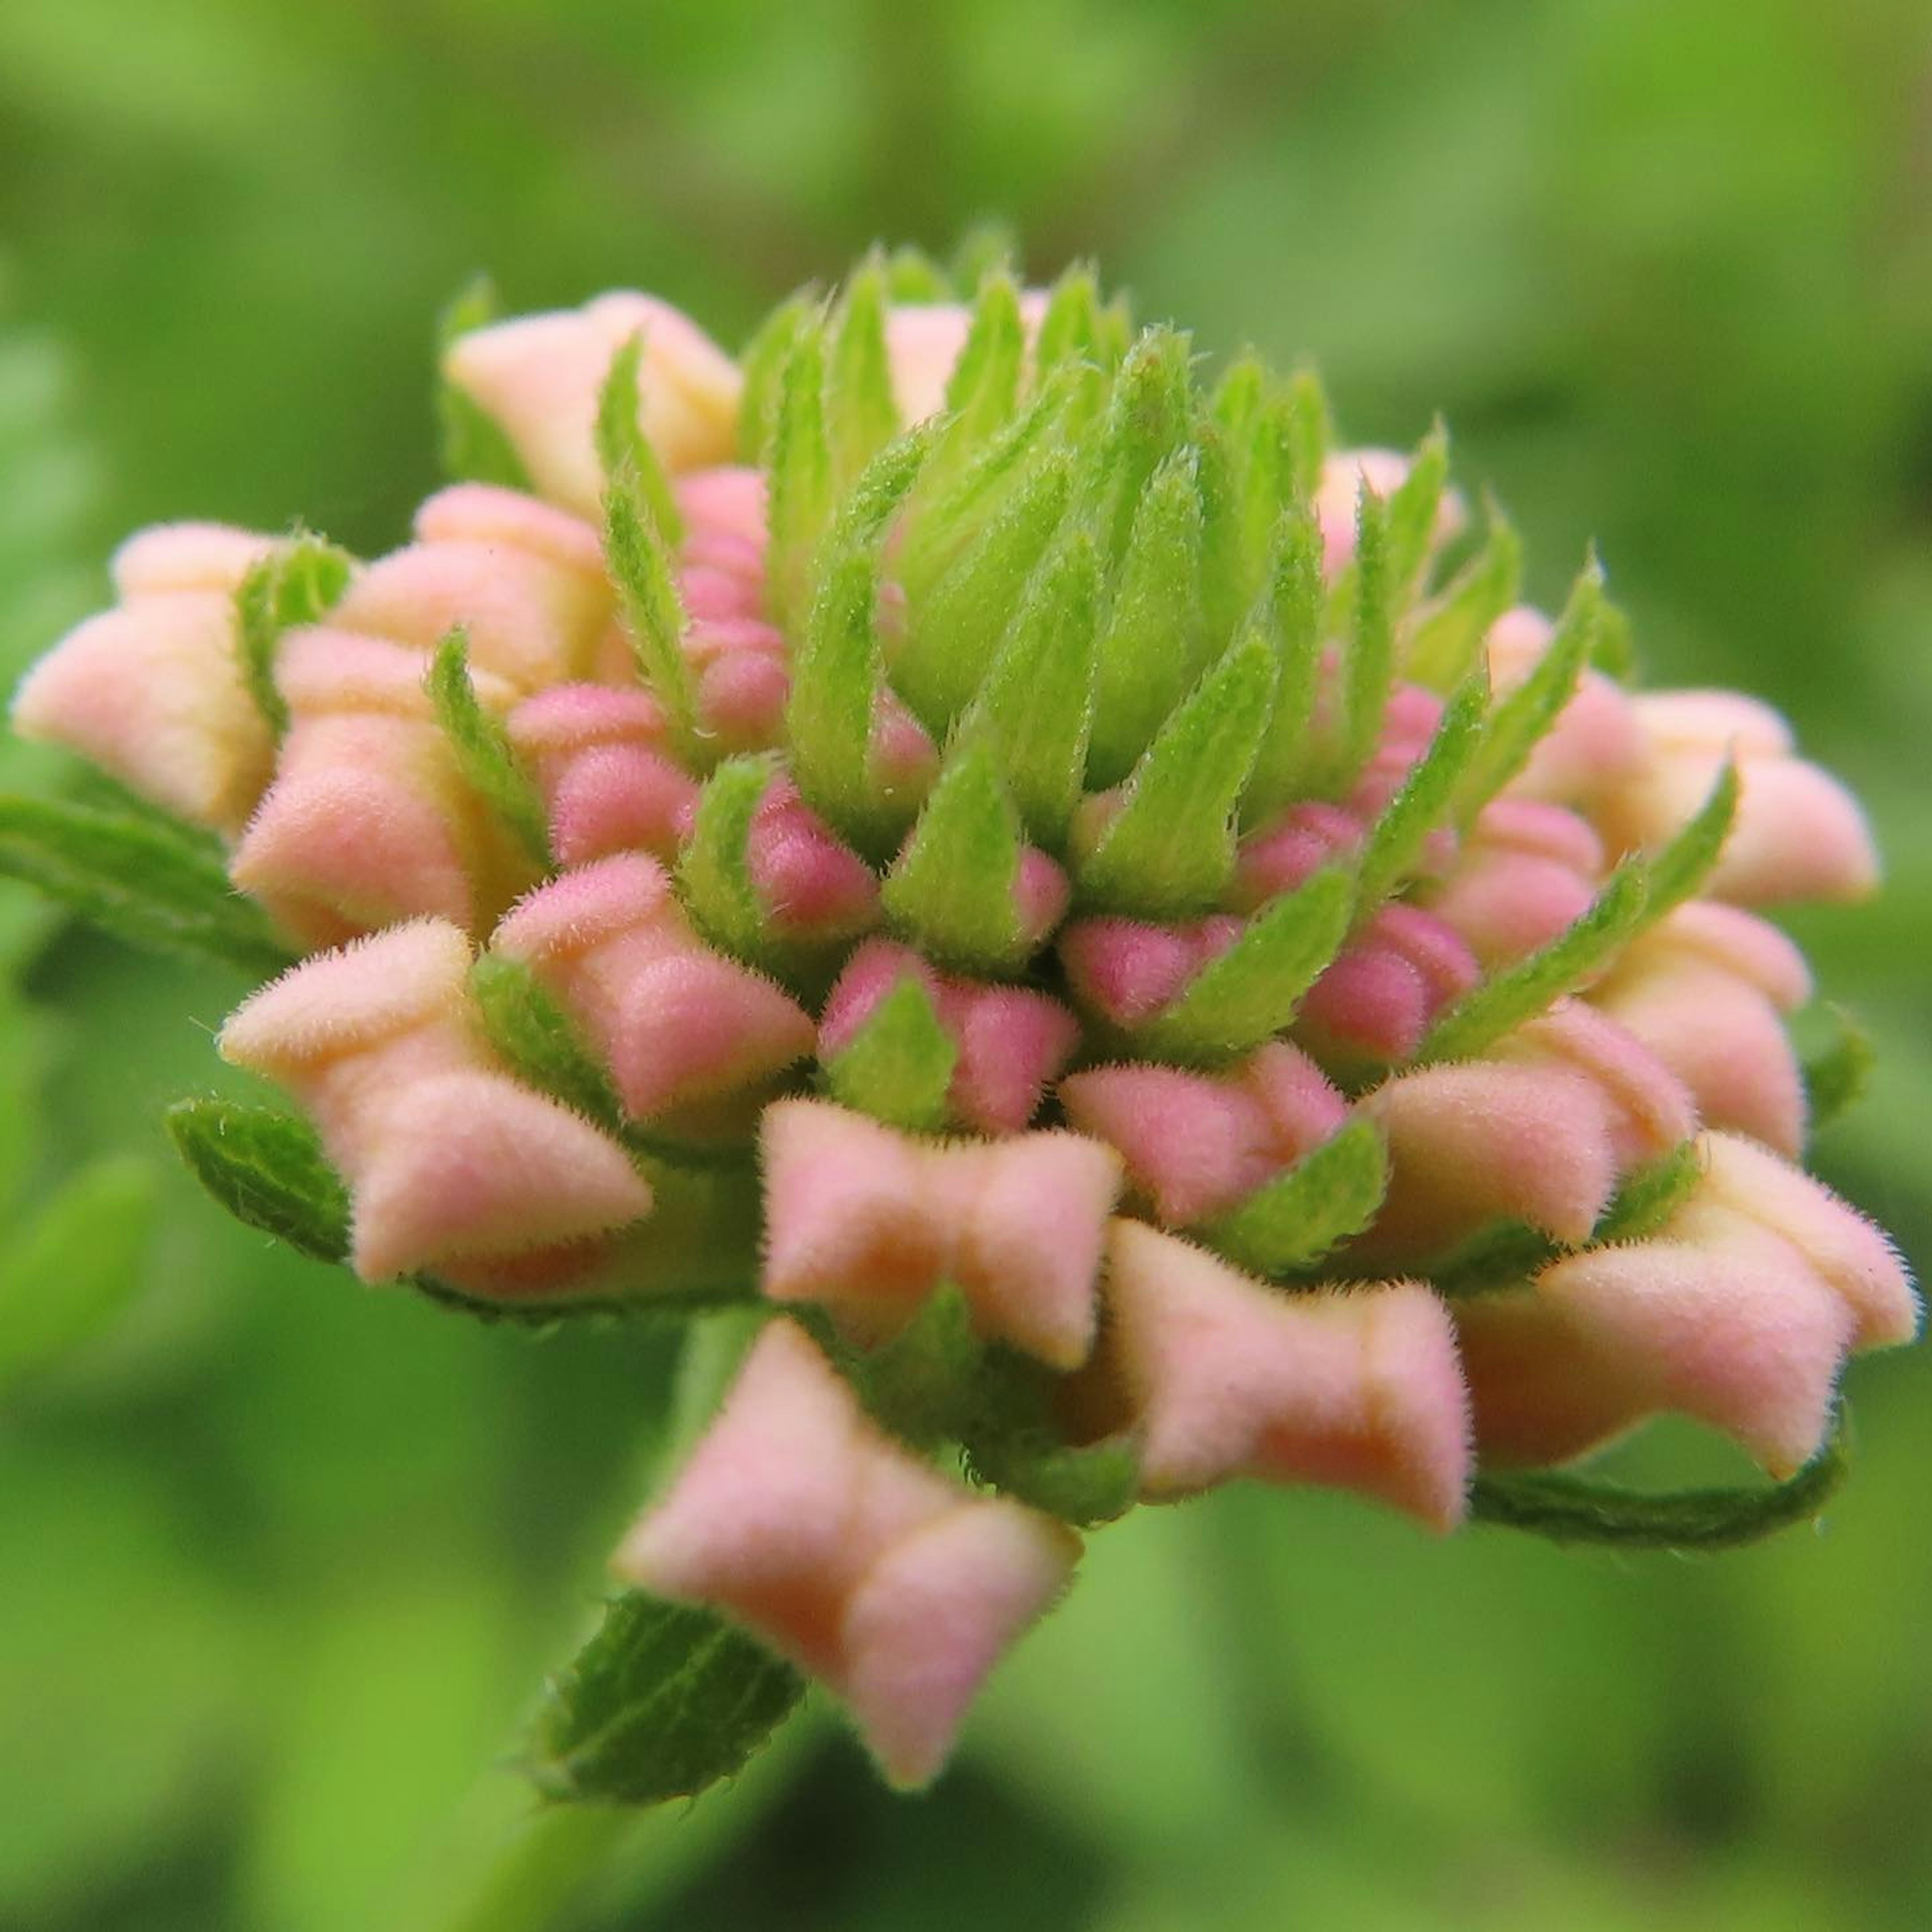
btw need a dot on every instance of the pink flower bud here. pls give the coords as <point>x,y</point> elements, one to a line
<point>1379,998</point>
<point>1705,990</point>
<point>802,1520</point>
<point>870,1221</point>
<point>923,340</point>
<point>451,1166</point>
<point>742,683</point>
<point>368,820</point>
<point>539,377</point>
<point>726,501</point>
<point>690,1036</point>
<point>1195,1143</point>
<point>1596,742</point>
<point>1129,971</point>
<point>1799,834</point>
<point>152,691</point>
<point>1011,1039</point>
<point>1288,852</point>
<point>610,783</point>
<point>812,883</point>
<point>1528,870</point>
<point>1225,1376</point>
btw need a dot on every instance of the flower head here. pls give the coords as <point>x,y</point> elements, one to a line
<point>1043,876</point>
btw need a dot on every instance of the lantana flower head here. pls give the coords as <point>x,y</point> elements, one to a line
<point>1092,908</point>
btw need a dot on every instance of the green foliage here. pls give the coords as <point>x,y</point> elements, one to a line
<point>898,1065</point>
<point>1149,412</point>
<point>475,449</point>
<point>1250,993</point>
<point>156,887</point>
<point>764,361</point>
<point>1013,1441</point>
<point>1444,642</point>
<point>1647,1197</point>
<point>1368,665</point>
<point>861,416</point>
<point>653,614</point>
<point>624,452</point>
<point>714,875</point>
<point>1396,841</point>
<point>1332,1193</point>
<point>484,754</point>
<point>664,1701</point>
<point>801,483</point>
<point>268,1169</point>
<point>1838,1072</point>
<point>1170,848</point>
<point>1413,505</point>
<point>538,1041</point>
<point>1679,871</point>
<point>951,890</point>
<point>1289,615</point>
<point>922,1383</point>
<point>298,583</point>
<point>983,390</point>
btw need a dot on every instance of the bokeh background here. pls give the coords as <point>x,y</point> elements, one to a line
<point>283,1559</point>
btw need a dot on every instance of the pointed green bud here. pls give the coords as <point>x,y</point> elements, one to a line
<point>268,1170</point>
<point>801,482</point>
<point>1839,1069</point>
<point>1289,615</point>
<point>662,1702</point>
<point>1307,434</point>
<point>651,610</point>
<point>987,249</point>
<point>1615,652</point>
<point>764,362</point>
<point>913,276</point>
<point>142,879</point>
<point>1148,416</point>
<point>952,632</point>
<point>984,388</point>
<point>1069,330</point>
<point>861,415</point>
<point>475,449</point>
<point>297,585</point>
<point>1396,841</point>
<point>899,1067</point>
<point>1014,1441</point>
<point>1250,993</point>
<point>837,670</point>
<point>1036,707</point>
<point>624,452</point>
<point>1170,849</point>
<point>714,877</point>
<point>483,752</point>
<point>1414,505</point>
<point>1502,1003</point>
<point>1151,644</point>
<point>951,890</point>
<point>1445,637</point>
<point>1368,665</point>
<point>920,1384</point>
<point>1520,721</point>
<point>1331,1193</point>
<point>539,1042</point>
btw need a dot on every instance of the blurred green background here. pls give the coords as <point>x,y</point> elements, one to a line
<point>285,1559</point>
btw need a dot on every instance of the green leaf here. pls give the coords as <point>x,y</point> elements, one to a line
<point>268,1169</point>
<point>983,390</point>
<point>664,1701</point>
<point>953,630</point>
<point>475,449</point>
<point>912,276</point>
<point>1445,638</point>
<point>1307,433</point>
<point>1330,1193</point>
<point>1250,992</point>
<point>1575,1509</point>
<point>484,754</point>
<point>1519,722</point>
<point>1837,1073</point>
<point>652,611</point>
<point>1368,667</point>
<point>66,1277</point>
<point>713,874</point>
<point>1036,706</point>
<point>1290,616</point>
<point>801,486</point>
<point>922,1384</point>
<point>1013,1441</point>
<point>899,1067</point>
<point>1148,416</point>
<point>297,584</point>
<point>1648,1196</point>
<point>1069,330</point>
<point>951,890</point>
<point>764,364</point>
<point>836,670</point>
<point>138,880</point>
<point>1678,871</point>
<point>1170,849</point>
<point>624,452</point>
<point>537,1040</point>
<point>862,418</point>
<point>1151,644</point>
<point>1503,1003</point>
<point>1396,841</point>
<point>1413,506</point>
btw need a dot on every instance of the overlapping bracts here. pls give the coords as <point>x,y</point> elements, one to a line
<point>1119,868</point>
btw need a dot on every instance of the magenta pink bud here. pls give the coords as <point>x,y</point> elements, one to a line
<point>813,885</point>
<point>1011,1040</point>
<point>152,691</point>
<point>451,1165</point>
<point>1387,987</point>
<point>728,501</point>
<point>801,1519</point>
<point>1196,1144</point>
<point>539,377</point>
<point>1289,852</point>
<point>690,1036</point>
<point>1226,1376</point>
<point>1129,971</point>
<point>870,1221</point>
<point>1527,871</point>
